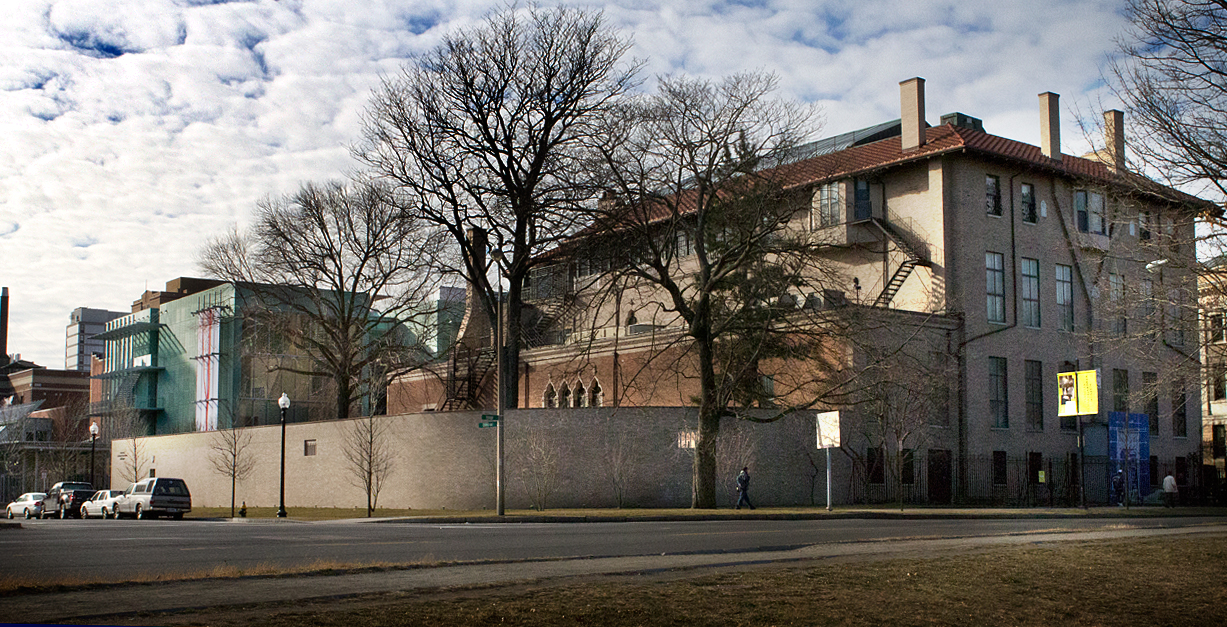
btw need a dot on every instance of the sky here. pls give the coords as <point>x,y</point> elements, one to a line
<point>133,131</point>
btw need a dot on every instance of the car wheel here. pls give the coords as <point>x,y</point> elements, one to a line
<point>9,513</point>
<point>140,515</point>
<point>104,512</point>
<point>27,514</point>
<point>63,514</point>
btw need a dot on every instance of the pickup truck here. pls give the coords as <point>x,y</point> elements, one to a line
<point>64,499</point>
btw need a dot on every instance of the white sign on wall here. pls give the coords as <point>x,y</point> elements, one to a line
<point>828,429</point>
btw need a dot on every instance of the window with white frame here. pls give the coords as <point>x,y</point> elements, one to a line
<point>1065,296</point>
<point>829,209</point>
<point>994,287</point>
<point>1031,292</point>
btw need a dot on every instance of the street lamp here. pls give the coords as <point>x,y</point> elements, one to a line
<point>498,257</point>
<point>284,404</point>
<point>93,441</point>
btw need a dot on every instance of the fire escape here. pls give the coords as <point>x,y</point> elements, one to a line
<point>911,260</point>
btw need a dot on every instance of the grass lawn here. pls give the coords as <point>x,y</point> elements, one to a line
<point>1119,583</point>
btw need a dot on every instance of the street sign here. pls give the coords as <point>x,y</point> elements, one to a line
<point>489,416</point>
<point>486,425</point>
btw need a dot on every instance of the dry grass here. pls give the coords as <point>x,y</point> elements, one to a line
<point>1118,583</point>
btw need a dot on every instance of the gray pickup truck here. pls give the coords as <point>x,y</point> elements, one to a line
<point>64,499</point>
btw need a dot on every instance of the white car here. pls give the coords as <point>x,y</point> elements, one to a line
<point>102,504</point>
<point>28,505</point>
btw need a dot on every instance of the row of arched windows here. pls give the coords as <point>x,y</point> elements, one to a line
<point>577,396</point>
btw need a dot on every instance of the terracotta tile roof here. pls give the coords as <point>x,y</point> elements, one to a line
<point>947,139</point>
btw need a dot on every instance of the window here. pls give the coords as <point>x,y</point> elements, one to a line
<point>829,208</point>
<point>1215,326</point>
<point>1218,441</point>
<point>1035,465</point>
<point>596,397</point>
<point>994,279</point>
<point>550,398</point>
<point>1080,210</point>
<point>1144,222</point>
<point>999,468</point>
<point>564,396</point>
<point>863,204</point>
<point>1098,222</point>
<point>875,464</point>
<point>580,395</point>
<point>992,195</point>
<point>1180,418</point>
<point>1065,296</point>
<point>998,400</point>
<point>1218,382</point>
<point>1116,293</point>
<point>1120,390</point>
<point>1031,293</point>
<point>1148,303</point>
<point>1154,470</point>
<point>308,448</point>
<point>1150,387</point>
<point>1029,214</point>
<point>1175,316</point>
<point>1035,394</point>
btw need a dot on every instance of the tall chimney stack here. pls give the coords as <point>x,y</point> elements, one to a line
<point>4,326</point>
<point>912,112</point>
<point>1114,138</point>
<point>1050,125</point>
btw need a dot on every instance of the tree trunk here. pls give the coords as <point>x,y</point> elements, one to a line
<point>704,476</point>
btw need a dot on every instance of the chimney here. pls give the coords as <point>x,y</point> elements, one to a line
<point>4,326</point>
<point>1050,125</point>
<point>1114,138</point>
<point>912,112</point>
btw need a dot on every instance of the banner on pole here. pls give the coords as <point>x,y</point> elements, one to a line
<point>1077,393</point>
<point>828,429</point>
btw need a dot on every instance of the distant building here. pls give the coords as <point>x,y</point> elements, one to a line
<point>83,324</point>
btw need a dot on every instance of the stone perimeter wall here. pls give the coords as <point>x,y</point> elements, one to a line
<point>575,457</point>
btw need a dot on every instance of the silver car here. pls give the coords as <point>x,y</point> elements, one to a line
<point>149,498</point>
<point>102,504</point>
<point>28,505</point>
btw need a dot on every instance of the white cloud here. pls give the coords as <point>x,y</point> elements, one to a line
<point>133,131</point>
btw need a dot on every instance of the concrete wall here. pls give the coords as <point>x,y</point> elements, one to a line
<point>443,460</point>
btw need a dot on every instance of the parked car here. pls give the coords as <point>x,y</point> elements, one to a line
<point>161,496</point>
<point>64,499</point>
<point>28,505</point>
<point>102,504</point>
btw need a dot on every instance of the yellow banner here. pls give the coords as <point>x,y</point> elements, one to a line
<point>1077,393</point>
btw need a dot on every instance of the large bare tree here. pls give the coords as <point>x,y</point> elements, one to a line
<point>340,272</point>
<point>697,193</point>
<point>483,132</point>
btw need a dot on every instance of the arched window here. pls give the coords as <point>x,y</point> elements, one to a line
<point>596,398</point>
<point>551,397</point>
<point>581,398</point>
<point>564,395</point>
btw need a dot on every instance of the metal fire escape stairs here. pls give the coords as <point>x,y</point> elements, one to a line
<point>911,259</point>
<point>465,376</point>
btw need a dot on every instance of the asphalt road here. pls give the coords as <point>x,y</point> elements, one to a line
<point>107,550</point>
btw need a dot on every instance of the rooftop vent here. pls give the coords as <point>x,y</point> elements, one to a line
<point>962,120</point>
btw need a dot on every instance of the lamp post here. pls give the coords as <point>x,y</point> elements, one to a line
<point>284,404</point>
<point>497,257</point>
<point>93,442</point>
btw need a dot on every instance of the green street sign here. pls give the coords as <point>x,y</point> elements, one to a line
<point>489,416</point>
<point>486,425</point>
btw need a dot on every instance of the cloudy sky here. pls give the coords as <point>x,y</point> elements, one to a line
<point>131,131</point>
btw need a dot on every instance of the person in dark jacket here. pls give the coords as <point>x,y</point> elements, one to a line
<point>743,488</point>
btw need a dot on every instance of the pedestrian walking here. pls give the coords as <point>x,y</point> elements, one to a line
<point>743,488</point>
<point>1118,487</point>
<point>1169,491</point>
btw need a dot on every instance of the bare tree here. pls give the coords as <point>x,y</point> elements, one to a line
<point>127,426</point>
<point>697,193</point>
<point>229,456</point>
<point>538,454</point>
<point>483,132</point>
<point>339,271</point>
<point>369,455</point>
<point>622,459</point>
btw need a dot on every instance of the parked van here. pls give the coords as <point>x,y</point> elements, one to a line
<point>161,496</point>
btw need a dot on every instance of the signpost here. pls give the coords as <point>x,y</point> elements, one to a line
<point>488,420</point>
<point>1078,395</point>
<point>828,438</point>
